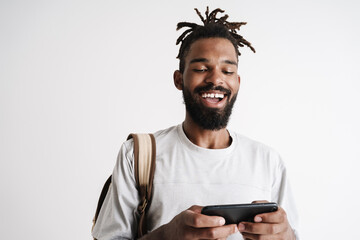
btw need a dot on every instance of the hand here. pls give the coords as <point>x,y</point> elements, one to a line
<point>191,224</point>
<point>268,226</point>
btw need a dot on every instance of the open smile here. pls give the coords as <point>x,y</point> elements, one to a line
<point>213,99</point>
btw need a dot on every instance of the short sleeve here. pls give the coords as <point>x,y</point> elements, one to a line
<point>282,194</point>
<point>117,218</point>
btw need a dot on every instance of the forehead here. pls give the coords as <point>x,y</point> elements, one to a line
<point>212,49</point>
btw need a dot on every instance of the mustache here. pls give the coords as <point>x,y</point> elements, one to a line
<point>212,88</point>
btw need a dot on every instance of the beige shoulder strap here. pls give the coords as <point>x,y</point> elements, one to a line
<point>144,157</point>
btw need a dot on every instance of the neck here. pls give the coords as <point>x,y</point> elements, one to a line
<point>212,139</point>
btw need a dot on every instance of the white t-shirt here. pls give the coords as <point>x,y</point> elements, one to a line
<point>187,175</point>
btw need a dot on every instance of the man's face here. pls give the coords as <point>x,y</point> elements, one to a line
<point>210,82</point>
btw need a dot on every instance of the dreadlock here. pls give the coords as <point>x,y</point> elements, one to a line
<point>213,27</point>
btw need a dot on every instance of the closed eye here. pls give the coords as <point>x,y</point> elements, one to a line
<point>228,72</point>
<point>200,70</point>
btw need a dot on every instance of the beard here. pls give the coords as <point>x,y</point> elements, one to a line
<point>208,118</point>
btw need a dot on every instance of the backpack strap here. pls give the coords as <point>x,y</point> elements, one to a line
<point>144,157</point>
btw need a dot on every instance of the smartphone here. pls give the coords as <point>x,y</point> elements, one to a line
<point>236,213</point>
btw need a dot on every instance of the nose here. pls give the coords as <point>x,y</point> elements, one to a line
<point>215,77</point>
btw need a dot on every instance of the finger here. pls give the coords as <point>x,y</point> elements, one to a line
<point>261,228</point>
<point>249,236</point>
<point>197,220</point>
<point>196,208</point>
<point>217,232</point>
<point>273,217</point>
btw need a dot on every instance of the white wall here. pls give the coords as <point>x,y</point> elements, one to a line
<point>77,76</point>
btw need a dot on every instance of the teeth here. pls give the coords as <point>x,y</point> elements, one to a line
<point>212,95</point>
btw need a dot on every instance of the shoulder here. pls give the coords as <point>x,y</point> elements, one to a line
<point>256,149</point>
<point>164,135</point>
<point>247,142</point>
<point>168,132</point>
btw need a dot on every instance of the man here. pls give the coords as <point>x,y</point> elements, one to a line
<point>200,162</point>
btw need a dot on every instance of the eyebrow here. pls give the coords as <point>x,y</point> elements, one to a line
<point>231,62</point>
<point>195,60</point>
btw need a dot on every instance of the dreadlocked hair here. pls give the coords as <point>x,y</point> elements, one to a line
<point>213,27</point>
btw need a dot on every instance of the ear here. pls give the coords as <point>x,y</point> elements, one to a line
<point>239,81</point>
<point>178,80</point>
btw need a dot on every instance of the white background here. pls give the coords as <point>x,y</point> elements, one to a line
<point>77,76</point>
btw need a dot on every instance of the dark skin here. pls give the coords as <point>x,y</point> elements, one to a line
<point>209,61</point>
<point>214,61</point>
<point>268,226</point>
